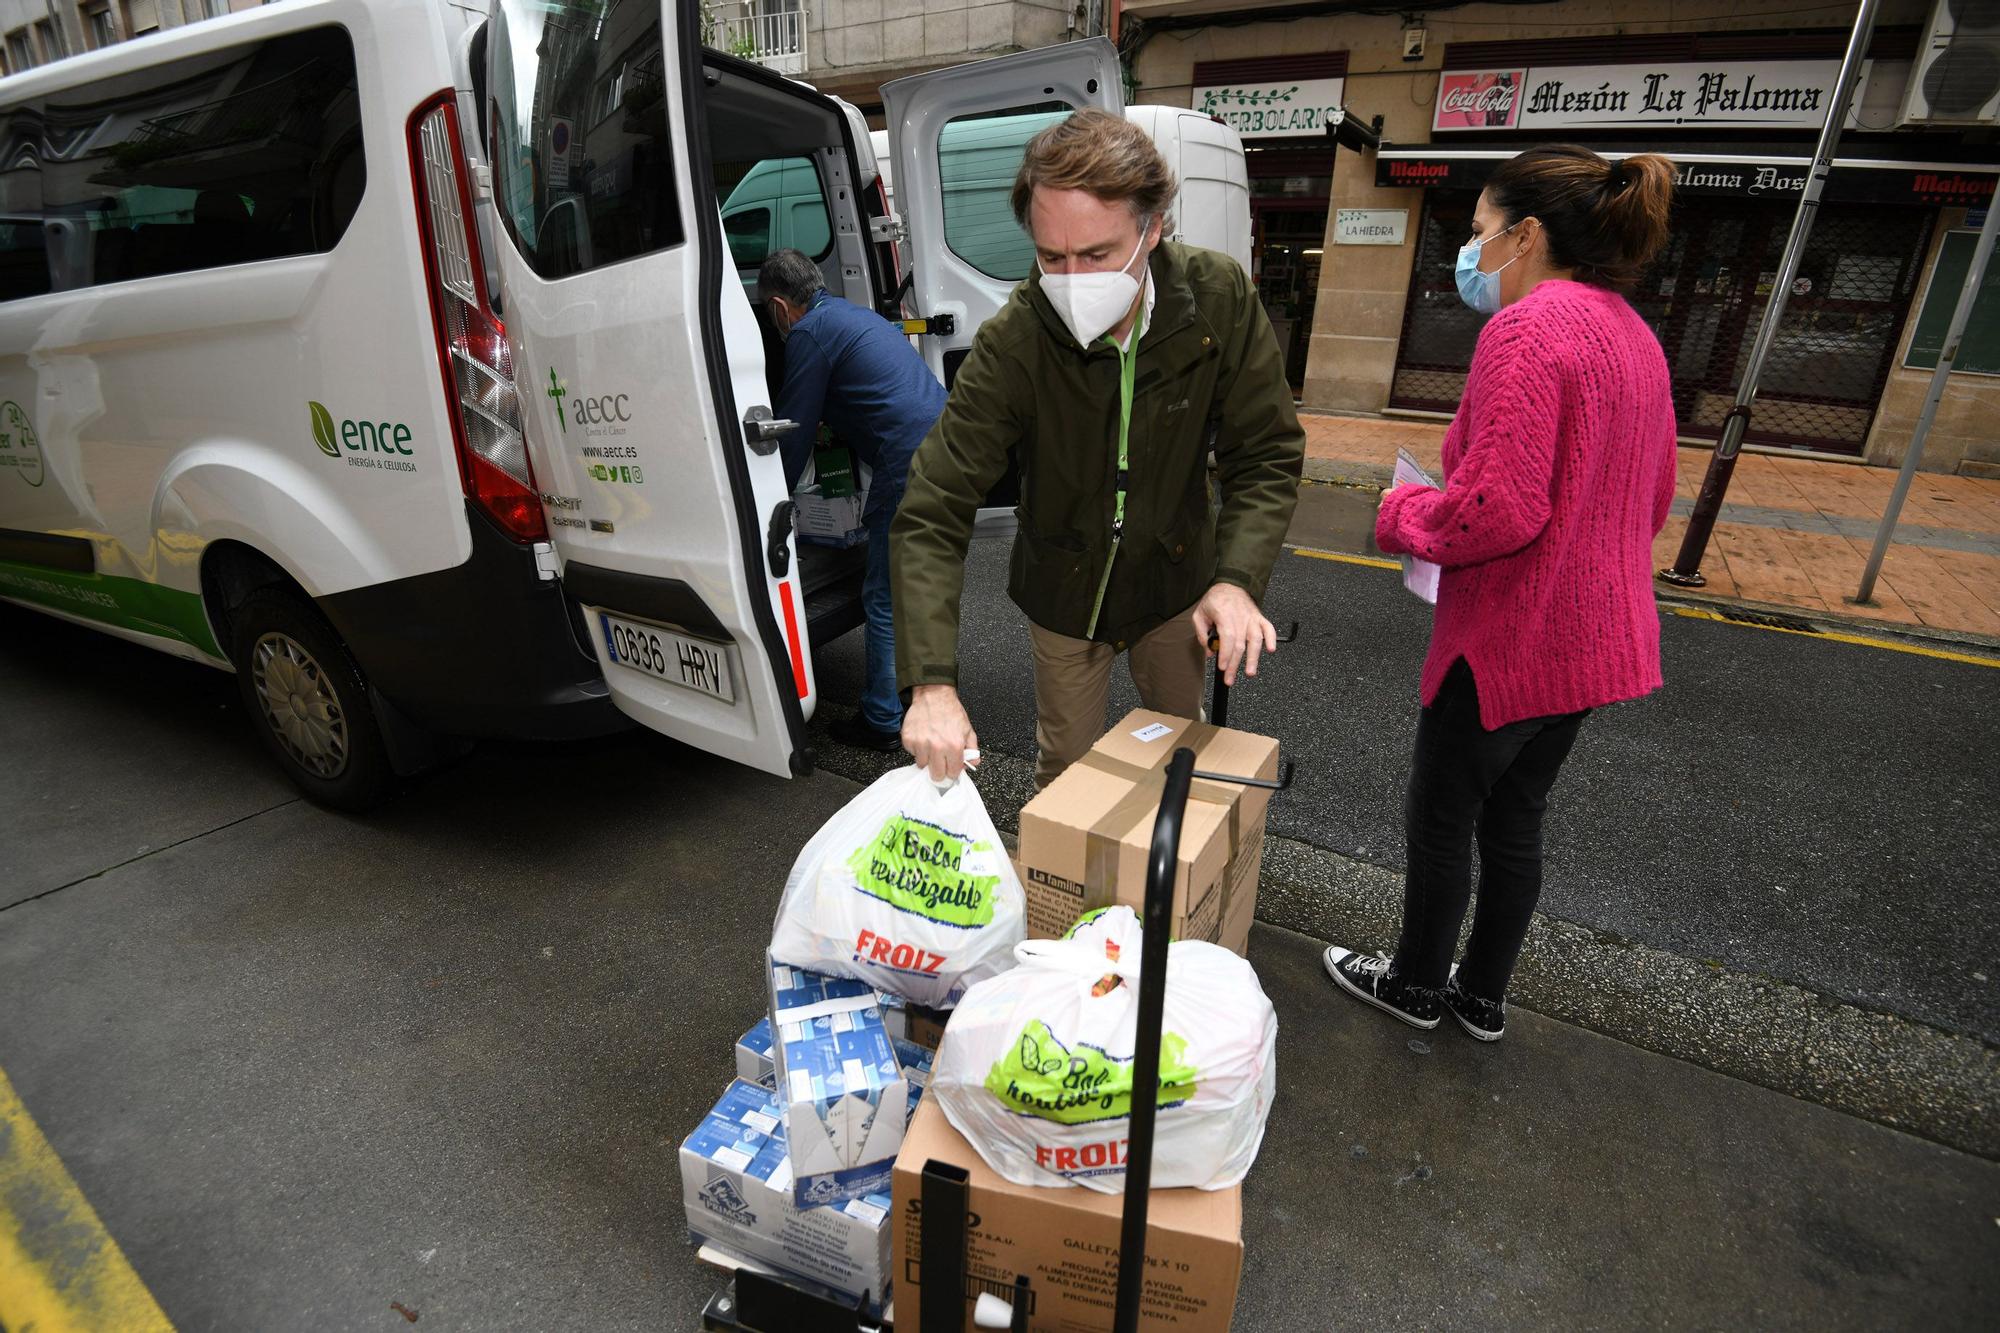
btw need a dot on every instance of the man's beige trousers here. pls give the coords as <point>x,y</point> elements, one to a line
<point>1073,686</point>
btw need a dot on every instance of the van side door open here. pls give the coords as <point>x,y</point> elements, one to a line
<point>642,368</point>
<point>956,137</point>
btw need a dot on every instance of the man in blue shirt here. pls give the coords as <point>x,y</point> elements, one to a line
<point>854,370</point>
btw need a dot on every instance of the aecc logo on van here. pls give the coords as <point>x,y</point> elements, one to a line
<point>609,412</point>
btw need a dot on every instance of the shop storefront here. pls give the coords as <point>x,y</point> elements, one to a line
<point>1279,106</point>
<point>1696,100</point>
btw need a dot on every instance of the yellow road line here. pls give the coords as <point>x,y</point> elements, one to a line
<point>1859,640</point>
<point>1697,613</point>
<point>1366,561</point>
<point>59,1268</point>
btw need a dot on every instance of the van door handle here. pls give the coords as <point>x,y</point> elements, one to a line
<point>762,431</point>
<point>778,539</point>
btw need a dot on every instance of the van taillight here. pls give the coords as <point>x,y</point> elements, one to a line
<point>472,344</point>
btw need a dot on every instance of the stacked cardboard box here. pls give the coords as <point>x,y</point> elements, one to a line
<point>1066,1241</point>
<point>736,1184</point>
<point>791,1168</point>
<point>1086,837</point>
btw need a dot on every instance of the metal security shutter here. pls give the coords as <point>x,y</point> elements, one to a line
<point>1705,297</point>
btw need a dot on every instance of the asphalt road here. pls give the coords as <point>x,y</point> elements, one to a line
<point>305,1066</point>
<point>1788,806</point>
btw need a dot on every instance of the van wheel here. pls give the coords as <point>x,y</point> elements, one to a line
<point>307,700</point>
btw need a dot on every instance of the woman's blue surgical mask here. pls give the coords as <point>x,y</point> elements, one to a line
<point>1476,288</point>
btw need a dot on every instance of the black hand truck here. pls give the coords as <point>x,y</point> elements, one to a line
<point>756,1303</point>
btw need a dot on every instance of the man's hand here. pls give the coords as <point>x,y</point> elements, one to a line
<point>1228,615</point>
<point>937,732</point>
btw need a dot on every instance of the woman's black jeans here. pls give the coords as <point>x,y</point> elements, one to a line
<point>1467,782</point>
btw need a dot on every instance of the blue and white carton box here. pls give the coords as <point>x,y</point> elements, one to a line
<point>846,1099</point>
<point>736,1185</point>
<point>754,1061</point>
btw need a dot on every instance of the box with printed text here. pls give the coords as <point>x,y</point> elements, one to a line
<point>1086,837</point>
<point>845,1095</point>
<point>736,1187</point>
<point>754,1061</point>
<point>1067,1242</point>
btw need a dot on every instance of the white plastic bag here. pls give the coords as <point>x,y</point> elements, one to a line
<point>908,889</point>
<point>1036,1067</point>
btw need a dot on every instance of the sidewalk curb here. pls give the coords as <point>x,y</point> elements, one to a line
<point>1891,1070</point>
<point>1880,1067</point>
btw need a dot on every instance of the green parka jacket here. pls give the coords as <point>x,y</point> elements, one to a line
<point>1207,358</point>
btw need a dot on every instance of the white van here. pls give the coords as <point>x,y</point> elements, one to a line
<point>980,157</point>
<point>259,407</point>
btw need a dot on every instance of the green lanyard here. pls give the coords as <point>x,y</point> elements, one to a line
<point>1128,362</point>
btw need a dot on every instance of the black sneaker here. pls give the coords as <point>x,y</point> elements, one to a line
<point>1483,1020</point>
<point>1368,979</point>
<point>856,732</point>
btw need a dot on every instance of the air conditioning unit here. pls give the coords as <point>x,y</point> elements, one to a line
<point>1955,79</point>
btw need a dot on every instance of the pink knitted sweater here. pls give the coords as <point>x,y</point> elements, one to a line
<point>1558,472</point>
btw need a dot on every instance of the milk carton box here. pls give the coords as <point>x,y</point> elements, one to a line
<point>736,1186</point>
<point>754,1061</point>
<point>845,1096</point>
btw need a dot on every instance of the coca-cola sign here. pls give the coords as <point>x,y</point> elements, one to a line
<point>1487,99</point>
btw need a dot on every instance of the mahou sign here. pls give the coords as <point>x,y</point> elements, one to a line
<point>1762,94</point>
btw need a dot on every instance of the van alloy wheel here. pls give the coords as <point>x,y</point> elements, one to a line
<point>300,705</point>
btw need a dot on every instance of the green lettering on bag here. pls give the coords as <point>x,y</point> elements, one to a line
<point>1074,1085</point>
<point>916,866</point>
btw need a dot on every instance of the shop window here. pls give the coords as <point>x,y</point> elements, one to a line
<point>978,159</point>
<point>582,151</point>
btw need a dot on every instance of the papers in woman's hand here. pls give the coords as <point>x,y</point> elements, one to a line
<point>1419,576</point>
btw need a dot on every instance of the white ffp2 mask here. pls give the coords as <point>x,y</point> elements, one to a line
<point>1090,303</point>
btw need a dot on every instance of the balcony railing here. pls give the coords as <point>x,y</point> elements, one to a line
<point>770,34</point>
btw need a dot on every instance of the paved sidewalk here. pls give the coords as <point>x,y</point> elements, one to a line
<point>1794,533</point>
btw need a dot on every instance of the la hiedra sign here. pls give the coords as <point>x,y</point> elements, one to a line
<point>1726,94</point>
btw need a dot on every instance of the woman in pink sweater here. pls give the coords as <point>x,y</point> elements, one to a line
<point>1558,471</point>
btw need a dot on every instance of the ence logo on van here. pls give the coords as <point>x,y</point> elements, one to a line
<point>20,450</point>
<point>377,444</point>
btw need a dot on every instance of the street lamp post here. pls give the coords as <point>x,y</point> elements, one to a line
<point>1685,572</point>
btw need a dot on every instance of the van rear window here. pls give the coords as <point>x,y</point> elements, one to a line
<point>227,157</point>
<point>582,153</point>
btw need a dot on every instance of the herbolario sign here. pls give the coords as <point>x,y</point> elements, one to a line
<point>1726,94</point>
<point>1272,109</point>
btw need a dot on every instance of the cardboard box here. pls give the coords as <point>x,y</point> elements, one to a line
<point>829,520</point>
<point>1066,1241</point>
<point>1086,837</point>
<point>916,1062</point>
<point>736,1186</point>
<point>846,1100</point>
<point>915,1023</point>
<point>754,1061</point>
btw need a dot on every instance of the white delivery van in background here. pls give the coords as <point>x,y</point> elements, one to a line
<point>395,358</point>
<point>979,159</point>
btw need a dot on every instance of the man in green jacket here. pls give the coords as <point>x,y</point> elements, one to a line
<point>1109,373</point>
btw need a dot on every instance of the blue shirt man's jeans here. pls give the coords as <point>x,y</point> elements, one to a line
<point>857,372</point>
